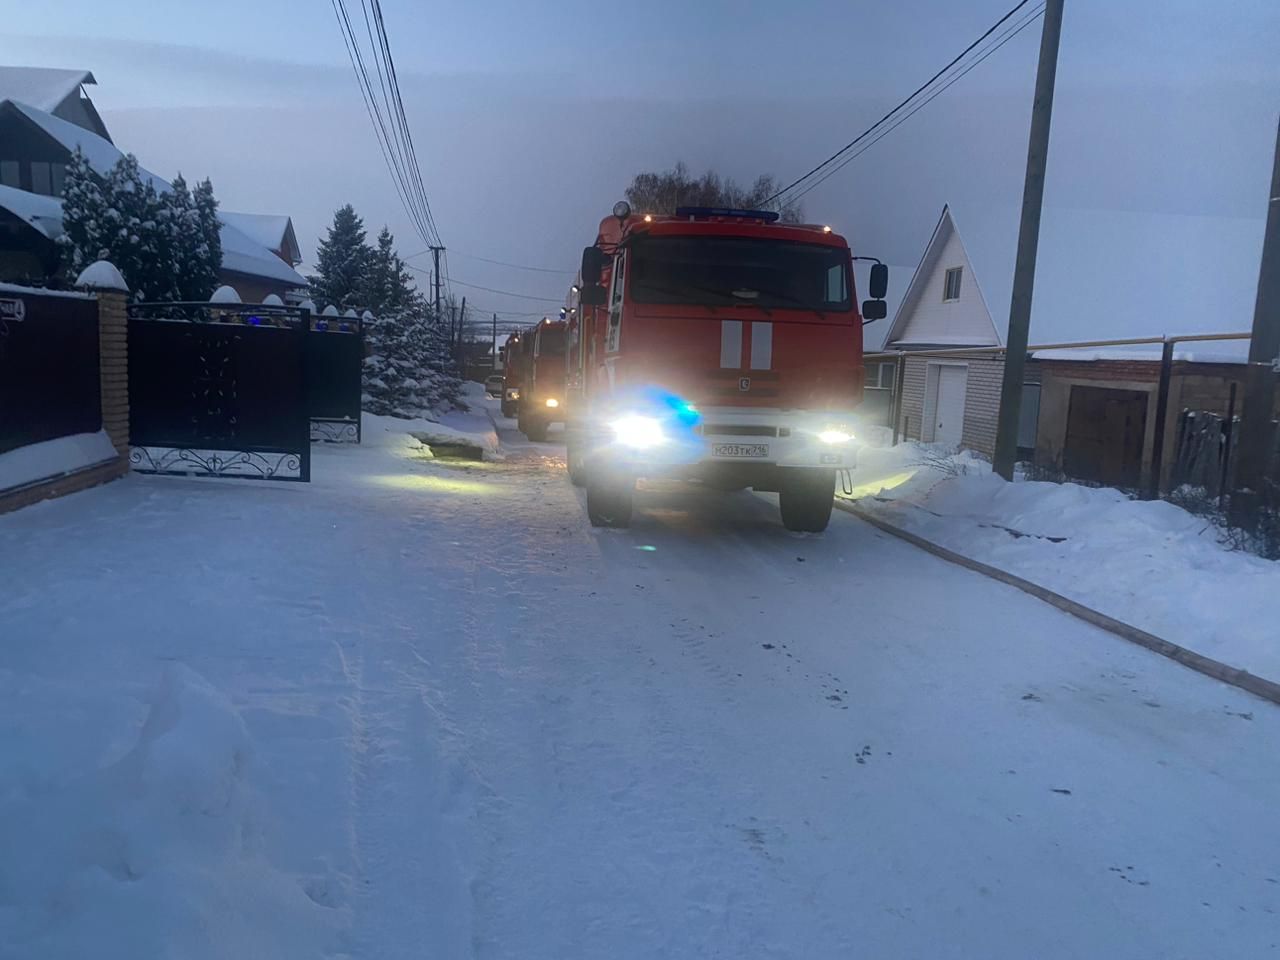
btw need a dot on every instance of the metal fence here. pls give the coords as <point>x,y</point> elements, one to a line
<point>49,379</point>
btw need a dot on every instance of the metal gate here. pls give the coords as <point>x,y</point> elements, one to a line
<point>219,390</point>
<point>334,360</point>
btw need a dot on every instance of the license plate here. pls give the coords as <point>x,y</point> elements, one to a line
<point>740,449</point>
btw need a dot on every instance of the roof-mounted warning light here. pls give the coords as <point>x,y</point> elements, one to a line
<point>768,216</point>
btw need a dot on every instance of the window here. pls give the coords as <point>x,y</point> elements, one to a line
<point>9,173</point>
<point>714,271</point>
<point>951,284</point>
<point>880,375</point>
<point>41,177</point>
<point>59,178</point>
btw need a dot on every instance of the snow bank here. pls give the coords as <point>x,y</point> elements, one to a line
<point>1148,563</point>
<point>414,436</point>
<point>156,853</point>
<point>53,458</point>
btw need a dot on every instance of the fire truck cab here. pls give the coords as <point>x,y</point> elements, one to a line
<point>543,399</point>
<point>720,346</point>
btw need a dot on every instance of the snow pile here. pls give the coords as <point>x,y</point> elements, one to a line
<point>1148,563</point>
<point>155,853</point>
<point>53,458</point>
<point>225,294</point>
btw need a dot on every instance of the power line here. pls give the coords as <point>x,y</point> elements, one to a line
<point>515,266</point>
<point>505,293</point>
<point>865,133</point>
<point>375,114</point>
<point>1000,42</point>
<point>395,139</point>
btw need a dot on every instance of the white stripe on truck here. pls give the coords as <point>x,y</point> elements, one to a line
<point>761,346</point>
<point>731,344</point>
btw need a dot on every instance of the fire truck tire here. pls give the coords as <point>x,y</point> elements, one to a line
<point>536,429</point>
<point>576,464</point>
<point>610,498</point>
<point>508,409</point>
<point>806,499</point>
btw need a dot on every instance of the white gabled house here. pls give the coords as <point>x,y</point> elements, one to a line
<point>947,399</point>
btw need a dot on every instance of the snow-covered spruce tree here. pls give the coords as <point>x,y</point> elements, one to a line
<point>139,235</point>
<point>407,372</point>
<point>342,260</point>
<point>84,219</point>
<point>204,268</point>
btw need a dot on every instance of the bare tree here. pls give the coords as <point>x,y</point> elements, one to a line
<point>663,192</point>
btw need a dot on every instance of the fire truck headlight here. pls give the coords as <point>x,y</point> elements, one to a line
<point>552,402</point>
<point>835,436</point>
<point>639,433</point>
<point>513,394</point>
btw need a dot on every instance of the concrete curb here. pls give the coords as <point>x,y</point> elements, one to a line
<point>1216,669</point>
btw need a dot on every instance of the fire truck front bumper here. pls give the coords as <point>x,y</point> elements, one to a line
<point>721,439</point>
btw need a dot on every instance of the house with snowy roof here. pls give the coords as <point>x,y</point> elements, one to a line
<point>1101,275</point>
<point>259,252</point>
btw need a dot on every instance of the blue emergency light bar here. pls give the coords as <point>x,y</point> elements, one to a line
<point>768,216</point>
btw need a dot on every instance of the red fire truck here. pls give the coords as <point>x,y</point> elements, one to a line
<point>715,345</point>
<point>542,401</point>
<point>513,365</point>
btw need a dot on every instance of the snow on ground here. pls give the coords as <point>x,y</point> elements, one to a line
<point>52,458</point>
<point>1148,563</point>
<point>419,708</point>
<point>473,426</point>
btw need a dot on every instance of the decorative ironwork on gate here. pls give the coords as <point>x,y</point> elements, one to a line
<point>219,390</point>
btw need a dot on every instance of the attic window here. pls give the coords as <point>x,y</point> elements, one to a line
<point>951,284</point>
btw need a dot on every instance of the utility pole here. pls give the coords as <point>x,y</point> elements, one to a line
<point>1024,271</point>
<point>462,322</point>
<point>435,257</point>
<point>1257,435</point>
<point>494,348</point>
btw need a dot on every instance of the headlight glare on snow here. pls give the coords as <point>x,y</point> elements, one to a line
<point>637,432</point>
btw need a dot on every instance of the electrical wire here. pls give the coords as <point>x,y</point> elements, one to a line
<point>866,133</point>
<point>1000,42</point>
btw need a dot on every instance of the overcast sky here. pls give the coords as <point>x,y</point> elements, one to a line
<point>530,118</point>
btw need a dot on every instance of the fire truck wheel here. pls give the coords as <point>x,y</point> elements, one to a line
<point>610,496</point>
<point>536,429</point>
<point>806,498</point>
<point>576,464</point>
<point>508,409</point>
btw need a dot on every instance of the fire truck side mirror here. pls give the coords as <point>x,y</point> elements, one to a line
<point>592,295</point>
<point>873,310</point>
<point>592,265</point>
<point>879,283</point>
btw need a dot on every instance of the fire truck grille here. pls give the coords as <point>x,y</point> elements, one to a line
<point>740,430</point>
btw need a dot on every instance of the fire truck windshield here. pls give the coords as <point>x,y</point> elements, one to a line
<point>718,271</point>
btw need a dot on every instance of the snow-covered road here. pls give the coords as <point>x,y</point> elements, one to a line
<point>443,717</point>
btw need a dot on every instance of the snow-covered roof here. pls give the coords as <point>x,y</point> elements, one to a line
<point>1196,351</point>
<point>242,254</point>
<point>45,88</point>
<point>1111,274</point>
<point>43,213</point>
<point>101,153</point>
<point>273,230</point>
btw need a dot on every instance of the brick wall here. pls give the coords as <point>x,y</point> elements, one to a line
<point>984,375</point>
